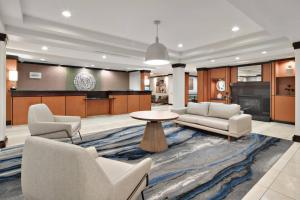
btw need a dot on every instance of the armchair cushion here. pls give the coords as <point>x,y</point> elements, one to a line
<point>92,152</point>
<point>66,118</point>
<point>42,128</point>
<point>114,169</point>
<point>128,181</point>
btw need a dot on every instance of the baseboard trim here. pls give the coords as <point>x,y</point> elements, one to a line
<point>3,143</point>
<point>296,138</point>
<point>283,122</point>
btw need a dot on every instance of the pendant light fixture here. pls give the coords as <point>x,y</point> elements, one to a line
<point>157,53</point>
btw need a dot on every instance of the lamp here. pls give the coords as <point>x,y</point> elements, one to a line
<point>13,77</point>
<point>157,53</point>
<point>146,82</point>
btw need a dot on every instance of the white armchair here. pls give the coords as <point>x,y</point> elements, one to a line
<point>41,122</point>
<point>54,170</point>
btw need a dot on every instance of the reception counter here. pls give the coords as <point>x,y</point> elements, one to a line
<point>79,103</point>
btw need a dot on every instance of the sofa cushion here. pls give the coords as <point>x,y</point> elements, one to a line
<point>198,108</point>
<point>224,111</point>
<point>212,122</point>
<point>188,118</point>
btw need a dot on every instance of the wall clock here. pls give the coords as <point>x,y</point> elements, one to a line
<point>221,85</point>
<point>84,81</point>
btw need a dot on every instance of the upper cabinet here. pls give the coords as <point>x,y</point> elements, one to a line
<point>285,68</point>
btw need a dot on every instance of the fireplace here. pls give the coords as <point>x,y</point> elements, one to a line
<point>253,97</point>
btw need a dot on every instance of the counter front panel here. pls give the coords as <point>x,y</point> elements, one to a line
<point>79,103</point>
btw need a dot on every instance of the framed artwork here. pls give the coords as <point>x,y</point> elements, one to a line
<point>161,86</point>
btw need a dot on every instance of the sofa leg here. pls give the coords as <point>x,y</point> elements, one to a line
<point>229,138</point>
<point>80,135</point>
<point>71,140</point>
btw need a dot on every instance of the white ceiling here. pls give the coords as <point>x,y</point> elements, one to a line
<point>122,30</point>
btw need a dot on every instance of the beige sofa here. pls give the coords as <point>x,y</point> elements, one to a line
<point>53,170</point>
<point>220,118</point>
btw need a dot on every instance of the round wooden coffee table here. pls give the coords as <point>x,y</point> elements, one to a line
<point>154,139</point>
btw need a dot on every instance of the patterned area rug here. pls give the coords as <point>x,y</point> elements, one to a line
<point>197,165</point>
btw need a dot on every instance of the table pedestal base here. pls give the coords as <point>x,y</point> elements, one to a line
<point>154,139</point>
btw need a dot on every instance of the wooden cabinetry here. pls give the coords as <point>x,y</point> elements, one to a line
<point>20,108</point>
<point>76,106</point>
<point>133,103</point>
<point>57,104</point>
<point>283,91</point>
<point>285,108</point>
<point>145,102</point>
<point>97,107</point>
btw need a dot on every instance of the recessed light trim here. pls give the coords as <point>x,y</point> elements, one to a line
<point>212,61</point>
<point>264,52</point>
<point>237,58</point>
<point>104,57</point>
<point>44,48</point>
<point>92,65</point>
<point>235,29</point>
<point>66,13</point>
<point>180,45</point>
<point>42,59</point>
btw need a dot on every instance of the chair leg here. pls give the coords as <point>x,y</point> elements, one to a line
<point>80,135</point>
<point>143,198</point>
<point>71,140</point>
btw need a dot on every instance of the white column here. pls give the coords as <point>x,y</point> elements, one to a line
<point>178,85</point>
<point>297,92</point>
<point>170,89</point>
<point>135,80</point>
<point>2,86</point>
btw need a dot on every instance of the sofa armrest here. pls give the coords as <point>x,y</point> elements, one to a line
<point>67,118</point>
<point>92,152</point>
<point>240,124</point>
<point>179,111</point>
<point>43,128</point>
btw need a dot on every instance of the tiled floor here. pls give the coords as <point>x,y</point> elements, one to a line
<point>282,181</point>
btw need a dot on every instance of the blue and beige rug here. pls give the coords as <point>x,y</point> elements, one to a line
<point>197,165</point>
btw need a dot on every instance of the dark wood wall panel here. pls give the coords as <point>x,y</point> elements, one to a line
<point>133,103</point>
<point>266,72</point>
<point>57,104</point>
<point>186,88</point>
<point>20,108</point>
<point>97,107</point>
<point>76,106</point>
<point>119,104</point>
<point>145,102</point>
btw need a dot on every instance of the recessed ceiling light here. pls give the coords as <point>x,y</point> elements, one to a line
<point>45,48</point>
<point>263,52</point>
<point>235,29</point>
<point>92,65</point>
<point>237,58</point>
<point>180,45</point>
<point>66,13</point>
<point>104,57</point>
<point>42,59</point>
<point>212,61</point>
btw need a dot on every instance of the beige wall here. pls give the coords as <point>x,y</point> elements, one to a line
<point>61,78</point>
